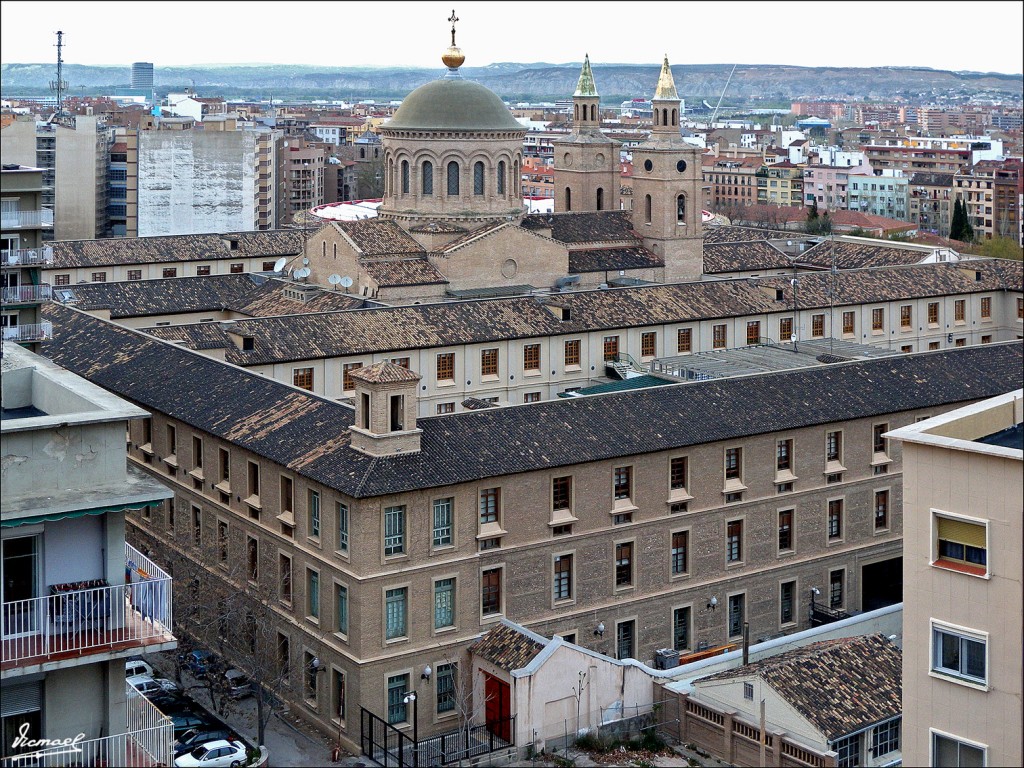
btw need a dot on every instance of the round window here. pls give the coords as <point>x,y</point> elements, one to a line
<point>567,159</point>
<point>648,165</point>
<point>509,268</point>
<point>681,166</point>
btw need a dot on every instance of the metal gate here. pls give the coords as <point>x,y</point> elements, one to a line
<point>385,744</point>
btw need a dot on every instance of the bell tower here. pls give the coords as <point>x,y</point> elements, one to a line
<point>667,188</point>
<point>586,161</point>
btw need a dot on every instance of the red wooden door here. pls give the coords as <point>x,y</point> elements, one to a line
<point>499,707</point>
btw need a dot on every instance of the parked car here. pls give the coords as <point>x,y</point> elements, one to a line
<point>137,666</point>
<point>237,684</point>
<point>199,736</point>
<point>186,721</point>
<point>214,754</point>
<point>151,686</point>
<point>170,703</point>
<point>199,662</point>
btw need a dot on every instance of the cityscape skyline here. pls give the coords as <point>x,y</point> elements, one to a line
<point>194,34</point>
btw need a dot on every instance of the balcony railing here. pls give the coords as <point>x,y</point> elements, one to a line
<point>29,332</point>
<point>26,219</point>
<point>148,741</point>
<point>26,256</point>
<point>23,294</point>
<point>70,623</point>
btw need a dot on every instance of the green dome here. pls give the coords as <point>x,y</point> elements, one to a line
<point>453,104</point>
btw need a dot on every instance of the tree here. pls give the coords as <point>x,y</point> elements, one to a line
<point>1002,248</point>
<point>960,228</point>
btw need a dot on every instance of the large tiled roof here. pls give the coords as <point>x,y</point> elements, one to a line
<point>746,234</point>
<point>736,256</point>
<point>154,250</point>
<point>506,648</point>
<point>247,294</point>
<point>444,324</point>
<point>474,234</point>
<point>839,686</point>
<point>602,259</point>
<point>396,272</point>
<point>860,255</point>
<point>378,237</point>
<point>594,226</point>
<point>308,433</point>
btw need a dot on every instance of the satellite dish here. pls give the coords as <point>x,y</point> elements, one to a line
<point>334,279</point>
<point>279,264</point>
<point>346,282</point>
<point>304,272</point>
<point>305,262</point>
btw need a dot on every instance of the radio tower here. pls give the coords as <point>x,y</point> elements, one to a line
<point>60,85</point>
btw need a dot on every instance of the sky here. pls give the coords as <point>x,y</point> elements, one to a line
<point>369,33</point>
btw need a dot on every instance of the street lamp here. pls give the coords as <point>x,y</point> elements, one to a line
<point>411,698</point>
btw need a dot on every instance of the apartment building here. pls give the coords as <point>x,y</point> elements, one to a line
<point>930,202</point>
<point>392,541</point>
<point>929,153</point>
<point>23,254</point>
<point>993,192</point>
<point>732,180</point>
<point>827,185</point>
<point>780,183</point>
<point>885,194</point>
<point>962,573</point>
<point>77,599</point>
<point>527,349</point>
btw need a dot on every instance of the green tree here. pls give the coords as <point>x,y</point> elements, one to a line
<point>960,227</point>
<point>1002,248</point>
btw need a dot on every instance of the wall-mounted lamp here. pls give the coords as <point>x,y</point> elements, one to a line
<point>815,590</point>
<point>426,673</point>
<point>316,665</point>
<point>712,603</point>
<point>599,629</point>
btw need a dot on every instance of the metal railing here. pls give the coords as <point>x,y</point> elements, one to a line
<point>26,219</point>
<point>71,622</point>
<point>12,257</point>
<point>28,332</point>
<point>27,293</point>
<point>147,741</point>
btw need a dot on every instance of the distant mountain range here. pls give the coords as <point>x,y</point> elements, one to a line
<point>751,84</point>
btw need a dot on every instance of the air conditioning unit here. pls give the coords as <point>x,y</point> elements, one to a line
<point>666,658</point>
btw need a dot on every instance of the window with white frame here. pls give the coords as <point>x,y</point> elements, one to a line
<point>885,738</point>
<point>951,752</point>
<point>960,544</point>
<point>959,653</point>
<point>848,751</point>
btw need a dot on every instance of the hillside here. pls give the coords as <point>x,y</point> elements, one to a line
<point>538,81</point>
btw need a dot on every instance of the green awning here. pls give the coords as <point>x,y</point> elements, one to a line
<point>54,516</point>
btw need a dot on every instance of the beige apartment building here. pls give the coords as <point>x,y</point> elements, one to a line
<point>626,523</point>
<point>528,349</point>
<point>962,566</point>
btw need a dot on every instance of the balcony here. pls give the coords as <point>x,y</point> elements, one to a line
<point>147,741</point>
<point>73,623</point>
<point>30,332</point>
<point>21,257</point>
<point>26,219</point>
<point>27,294</point>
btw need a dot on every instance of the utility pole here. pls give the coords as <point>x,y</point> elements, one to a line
<point>60,84</point>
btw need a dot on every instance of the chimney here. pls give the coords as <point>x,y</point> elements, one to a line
<point>386,406</point>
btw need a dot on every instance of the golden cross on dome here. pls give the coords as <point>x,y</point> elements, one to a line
<point>453,18</point>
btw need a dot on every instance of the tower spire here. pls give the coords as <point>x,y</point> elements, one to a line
<point>585,86</point>
<point>666,90</point>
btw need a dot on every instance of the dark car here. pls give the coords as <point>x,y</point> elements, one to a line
<point>199,662</point>
<point>172,703</point>
<point>200,735</point>
<point>186,721</point>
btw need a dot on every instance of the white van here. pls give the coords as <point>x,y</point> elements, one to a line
<point>134,667</point>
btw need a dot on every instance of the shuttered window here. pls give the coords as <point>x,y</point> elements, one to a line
<point>963,543</point>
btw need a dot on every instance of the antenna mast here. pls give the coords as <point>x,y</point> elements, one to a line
<point>729,80</point>
<point>60,85</point>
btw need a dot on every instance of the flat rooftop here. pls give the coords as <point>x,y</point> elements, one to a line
<point>1011,437</point>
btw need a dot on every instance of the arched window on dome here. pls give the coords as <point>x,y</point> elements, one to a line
<point>405,177</point>
<point>681,209</point>
<point>568,199</point>
<point>453,178</point>
<point>655,118</point>
<point>664,117</point>
<point>428,177</point>
<point>501,177</point>
<point>478,178</point>
<point>675,117</point>
<point>593,112</point>
<point>647,209</point>
<point>600,198</point>
<point>576,112</point>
